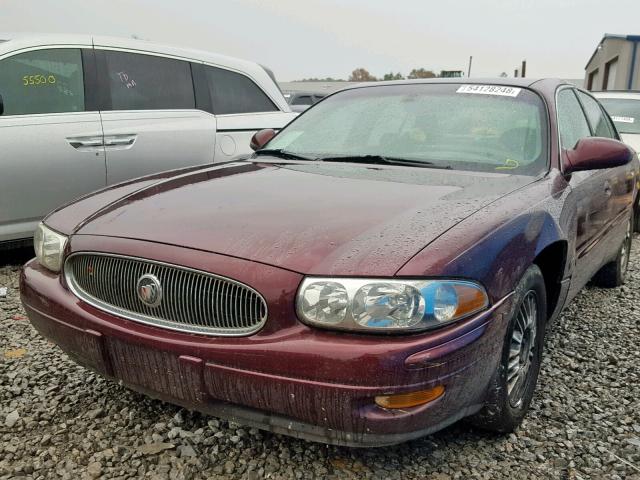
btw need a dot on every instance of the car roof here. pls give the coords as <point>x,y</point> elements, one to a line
<point>515,82</point>
<point>257,72</point>
<point>633,95</point>
<point>121,42</point>
<point>544,86</point>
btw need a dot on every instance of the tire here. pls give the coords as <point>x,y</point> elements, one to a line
<point>613,274</point>
<point>508,401</point>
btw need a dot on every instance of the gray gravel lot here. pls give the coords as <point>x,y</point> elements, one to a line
<point>58,420</point>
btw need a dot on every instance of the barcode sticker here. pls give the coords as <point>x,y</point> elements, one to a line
<point>490,90</point>
<point>623,119</point>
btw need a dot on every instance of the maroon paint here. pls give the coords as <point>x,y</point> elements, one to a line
<point>254,211</point>
<point>267,224</point>
<point>333,377</point>
<point>596,153</point>
<point>261,137</point>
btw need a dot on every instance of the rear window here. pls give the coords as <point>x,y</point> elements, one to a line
<point>624,112</point>
<point>235,93</point>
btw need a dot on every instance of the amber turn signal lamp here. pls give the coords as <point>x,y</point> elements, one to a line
<point>470,300</point>
<point>411,399</point>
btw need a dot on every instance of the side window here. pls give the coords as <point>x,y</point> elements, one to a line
<point>42,81</point>
<point>595,115</point>
<point>235,93</point>
<point>572,124</point>
<point>147,82</point>
<point>615,134</point>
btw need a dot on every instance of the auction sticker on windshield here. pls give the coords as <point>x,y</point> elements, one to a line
<point>489,90</point>
<point>623,119</point>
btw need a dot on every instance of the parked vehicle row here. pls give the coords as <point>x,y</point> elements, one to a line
<point>78,113</point>
<point>385,265</point>
<point>624,108</point>
<point>300,101</point>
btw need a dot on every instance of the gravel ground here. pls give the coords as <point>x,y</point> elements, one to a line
<point>59,420</point>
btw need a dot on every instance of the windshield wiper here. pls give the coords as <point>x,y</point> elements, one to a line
<point>281,153</point>
<point>381,159</point>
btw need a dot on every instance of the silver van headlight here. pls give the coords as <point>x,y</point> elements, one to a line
<point>49,246</point>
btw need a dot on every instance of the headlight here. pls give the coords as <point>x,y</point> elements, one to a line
<point>387,304</point>
<point>49,246</point>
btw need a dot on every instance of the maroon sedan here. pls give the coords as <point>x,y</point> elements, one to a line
<point>381,268</point>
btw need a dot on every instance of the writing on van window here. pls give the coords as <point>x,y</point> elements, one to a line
<point>148,82</point>
<point>124,78</point>
<point>42,81</point>
<point>33,80</point>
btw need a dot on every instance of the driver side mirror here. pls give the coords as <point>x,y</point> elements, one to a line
<point>594,153</point>
<point>261,138</point>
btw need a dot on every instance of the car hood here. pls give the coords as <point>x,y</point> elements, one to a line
<point>325,219</point>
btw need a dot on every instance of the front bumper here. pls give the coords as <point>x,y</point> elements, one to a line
<point>300,381</point>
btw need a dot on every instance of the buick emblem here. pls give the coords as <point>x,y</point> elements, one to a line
<point>149,290</point>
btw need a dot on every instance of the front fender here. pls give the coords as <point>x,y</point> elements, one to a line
<point>497,244</point>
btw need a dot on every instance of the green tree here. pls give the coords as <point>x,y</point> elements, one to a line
<point>361,75</point>
<point>393,76</point>
<point>421,73</point>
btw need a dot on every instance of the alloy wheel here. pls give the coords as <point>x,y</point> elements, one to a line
<point>625,250</point>
<point>522,349</point>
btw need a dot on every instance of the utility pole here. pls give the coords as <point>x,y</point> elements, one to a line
<point>469,70</point>
<point>524,68</point>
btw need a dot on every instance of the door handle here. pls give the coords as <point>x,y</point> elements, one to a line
<point>86,143</point>
<point>119,141</point>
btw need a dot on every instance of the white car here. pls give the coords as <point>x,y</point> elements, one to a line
<point>624,109</point>
<point>78,113</point>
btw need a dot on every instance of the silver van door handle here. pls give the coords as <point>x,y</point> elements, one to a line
<point>86,143</point>
<point>119,141</point>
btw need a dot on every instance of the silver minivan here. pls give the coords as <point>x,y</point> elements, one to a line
<point>80,113</point>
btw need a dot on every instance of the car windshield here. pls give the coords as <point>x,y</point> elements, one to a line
<point>467,127</point>
<point>625,113</point>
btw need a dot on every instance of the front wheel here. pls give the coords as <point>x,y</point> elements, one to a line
<point>512,386</point>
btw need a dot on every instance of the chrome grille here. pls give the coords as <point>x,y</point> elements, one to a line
<point>192,300</point>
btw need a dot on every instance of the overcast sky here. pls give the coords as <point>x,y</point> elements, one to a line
<point>320,38</point>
